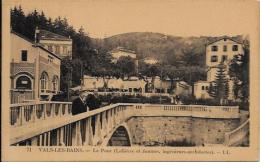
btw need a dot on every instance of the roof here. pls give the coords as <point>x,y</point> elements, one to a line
<point>22,36</point>
<point>223,37</point>
<point>201,81</point>
<point>122,49</point>
<point>47,35</point>
<point>35,45</point>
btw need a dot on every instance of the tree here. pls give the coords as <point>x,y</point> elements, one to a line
<point>219,89</point>
<point>126,66</point>
<point>17,20</point>
<point>239,73</point>
<point>65,78</point>
<point>190,57</point>
<point>150,70</point>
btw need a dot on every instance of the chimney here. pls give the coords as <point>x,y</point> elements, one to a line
<point>37,31</point>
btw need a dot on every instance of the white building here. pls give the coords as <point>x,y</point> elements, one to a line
<point>201,90</point>
<point>221,50</point>
<point>182,88</point>
<point>58,44</point>
<point>150,60</point>
<point>122,52</point>
<point>132,84</point>
<point>35,71</point>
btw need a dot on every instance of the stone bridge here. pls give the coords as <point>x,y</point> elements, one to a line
<point>51,123</point>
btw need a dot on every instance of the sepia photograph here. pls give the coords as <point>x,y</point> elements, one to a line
<point>127,74</point>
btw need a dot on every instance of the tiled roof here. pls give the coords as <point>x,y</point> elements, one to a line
<point>47,35</point>
<point>224,37</point>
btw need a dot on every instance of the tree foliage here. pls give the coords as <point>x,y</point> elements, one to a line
<point>126,66</point>
<point>239,73</point>
<point>219,89</point>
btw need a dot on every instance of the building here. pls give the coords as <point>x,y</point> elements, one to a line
<point>122,52</point>
<point>163,86</point>
<point>131,84</point>
<point>201,90</point>
<point>221,50</point>
<point>150,60</point>
<point>58,44</point>
<point>182,88</point>
<point>35,71</point>
<point>134,84</point>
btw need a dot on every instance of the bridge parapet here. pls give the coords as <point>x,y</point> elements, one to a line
<point>187,110</point>
<point>237,136</point>
<point>27,113</point>
<point>51,124</point>
<point>88,128</point>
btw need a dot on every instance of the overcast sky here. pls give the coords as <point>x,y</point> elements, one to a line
<point>175,17</point>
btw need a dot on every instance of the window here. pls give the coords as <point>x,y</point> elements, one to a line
<point>50,59</point>
<point>202,87</point>
<point>224,58</point>
<point>207,88</point>
<point>23,82</point>
<point>225,48</point>
<point>50,48</point>
<point>24,55</point>
<point>57,49</point>
<point>65,50</point>
<point>235,48</point>
<point>55,83</point>
<point>44,81</point>
<point>214,58</point>
<point>214,48</point>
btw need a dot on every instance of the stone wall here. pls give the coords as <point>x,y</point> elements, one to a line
<point>163,130</point>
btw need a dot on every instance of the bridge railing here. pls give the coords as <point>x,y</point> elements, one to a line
<point>88,128</point>
<point>91,127</point>
<point>187,110</point>
<point>26,113</point>
<point>237,136</point>
<point>134,94</point>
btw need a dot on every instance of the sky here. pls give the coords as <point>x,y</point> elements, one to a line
<point>104,18</point>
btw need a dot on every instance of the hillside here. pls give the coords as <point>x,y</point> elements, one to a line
<point>166,48</point>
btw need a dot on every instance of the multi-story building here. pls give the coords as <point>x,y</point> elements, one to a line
<point>58,44</point>
<point>221,50</point>
<point>35,71</point>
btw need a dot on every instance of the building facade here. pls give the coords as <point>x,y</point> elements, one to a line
<point>55,43</point>
<point>150,60</point>
<point>131,84</point>
<point>201,90</point>
<point>219,51</point>
<point>35,71</point>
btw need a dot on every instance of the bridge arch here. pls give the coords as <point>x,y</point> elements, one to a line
<point>119,137</point>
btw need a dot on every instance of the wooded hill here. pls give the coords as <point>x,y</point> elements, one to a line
<point>166,48</point>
